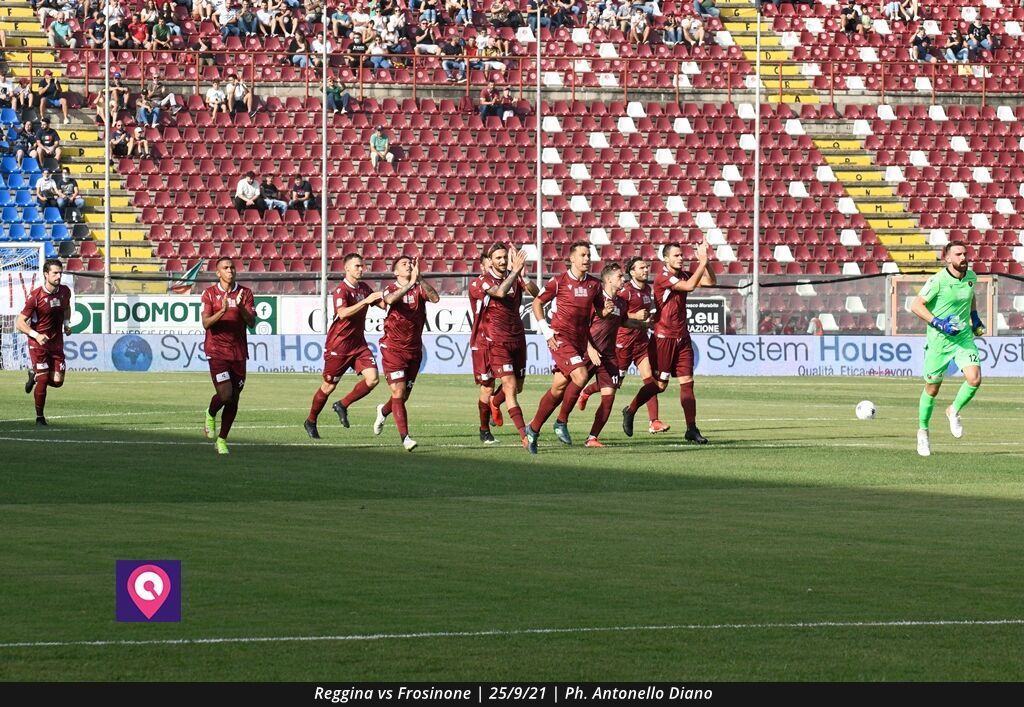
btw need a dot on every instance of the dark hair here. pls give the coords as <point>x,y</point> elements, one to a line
<point>495,247</point>
<point>222,259</point>
<point>949,246</point>
<point>670,244</point>
<point>609,269</point>
<point>351,256</point>
<point>577,244</point>
<point>485,255</point>
<point>52,263</point>
<point>400,258</point>
<point>633,261</point>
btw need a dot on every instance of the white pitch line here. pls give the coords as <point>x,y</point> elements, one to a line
<point>521,632</point>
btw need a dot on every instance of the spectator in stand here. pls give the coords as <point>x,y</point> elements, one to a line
<point>119,140</point>
<point>853,18</point>
<point>6,101</point>
<point>299,51</point>
<point>302,197</point>
<point>706,8</point>
<point>462,10</point>
<point>380,148</point>
<point>47,145</point>
<point>454,63</point>
<point>609,18</point>
<point>289,25</point>
<point>624,16</point>
<point>105,108</point>
<point>429,12</point>
<point>240,99</point>
<point>694,33</point>
<point>61,33</point>
<point>51,93</point>
<point>426,40</point>
<point>248,22</point>
<point>489,57</point>
<point>202,49</point>
<point>920,47</point>
<point>361,19</point>
<point>979,38</point>
<point>248,194</point>
<point>114,12</point>
<point>270,19</point>
<point>535,9</point>
<point>46,190</point>
<point>24,142</point>
<point>70,201</point>
<point>357,51</point>
<point>119,93</point>
<point>160,36</point>
<point>506,104</point>
<point>138,145</point>
<point>138,32</point>
<point>216,100</point>
<point>119,36</point>
<point>341,22</point>
<point>488,101</point>
<point>226,20</point>
<point>640,27</point>
<point>503,14</point>
<point>203,10</point>
<point>167,13</point>
<point>955,50</point>
<point>160,97</point>
<point>338,98</point>
<point>21,96</point>
<point>564,13</point>
<point>899,10</point>
<point>271,195</point>
<point>96,35</point>
<point>593,16</point>
<point>146,113</point>
<point>317,50</point>
<point>377,53</point>
<point>150,13</point>
<point>671,31</point>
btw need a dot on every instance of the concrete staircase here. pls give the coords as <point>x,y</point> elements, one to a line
<point>131,251</point>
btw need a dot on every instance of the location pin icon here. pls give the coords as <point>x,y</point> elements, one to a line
<point>149,586</point>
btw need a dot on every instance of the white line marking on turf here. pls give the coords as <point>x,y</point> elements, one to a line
<point>522,632</point>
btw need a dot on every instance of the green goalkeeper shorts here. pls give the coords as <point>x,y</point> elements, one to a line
<point>938,354</point>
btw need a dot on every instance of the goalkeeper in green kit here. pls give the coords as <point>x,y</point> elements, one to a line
<point>947,303</point>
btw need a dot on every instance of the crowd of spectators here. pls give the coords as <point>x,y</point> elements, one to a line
<point>251,193</point>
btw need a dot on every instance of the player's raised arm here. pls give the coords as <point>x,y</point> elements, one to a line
<point>697,278</point>
<point>374,298</point>
<point>516,263</point>
<point>429,293</point>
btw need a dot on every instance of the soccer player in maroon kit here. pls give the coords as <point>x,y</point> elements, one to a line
<point>228,310</point>
<point>503,329</point>
<point>401,347</point>
<point>577,296</point>
<point>346,346</point>
<point>671,350</point>
<point>44,320</point>
<point>632,343</point>
<point>602,353</point>
<point>487,402</point>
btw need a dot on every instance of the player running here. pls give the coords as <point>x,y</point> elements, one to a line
<point>671,350</point>
<point>632,343</point>
<point>602,350</point>
<point>401,347</point>
<point>947,303</point>
<point>487,402</point>
<point>228,311</point>
<point>45,321</point>
<point>502,325</point>
<point>346,346</point>
<point>577,296</point>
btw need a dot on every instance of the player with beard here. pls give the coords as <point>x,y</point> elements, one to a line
<point>45,321</point>
<point>488,401</point>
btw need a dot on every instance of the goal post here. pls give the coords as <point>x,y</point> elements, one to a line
<point>904,288</point>
<point>21,268</point>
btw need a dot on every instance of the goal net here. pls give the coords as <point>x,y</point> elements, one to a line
<point>21,267</point>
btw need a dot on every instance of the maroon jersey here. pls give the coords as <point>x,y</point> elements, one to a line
<point>671,306</point>
<point>603,332</point>
<point>403,325</point>
<point>638,299</point>
<point>45,312</point>
<point>478,300</point>
<point>503,321</point>
<point>575,303</point>
<point>347,335</point>
<point>226,339</point>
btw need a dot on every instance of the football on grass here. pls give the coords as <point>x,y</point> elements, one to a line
<point>865,410</point>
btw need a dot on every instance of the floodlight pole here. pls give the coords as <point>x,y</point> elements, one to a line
<point>107,285</point>
<point>538,196</point>
<point>324,295</point>
<point>755,290</point>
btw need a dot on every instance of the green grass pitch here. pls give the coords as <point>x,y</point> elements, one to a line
<point>796,514</point>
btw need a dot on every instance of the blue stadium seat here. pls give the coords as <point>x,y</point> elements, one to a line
<point>24,197</point>
<point>8,165</point>
<point>16,181</point>
<point>5,197</point>
<point>39,232</point>
<point>60,233</point>
<point>11,214</point>
<point>16,232</point>
<point>30,214</point>
<point>30,166</point>
<point>51,250</point>
<point>51,214</point>
<point>8,116</point>
<point>33,178</point>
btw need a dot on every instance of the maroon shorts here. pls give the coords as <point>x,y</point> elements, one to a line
<point>481,365</point>
<point>44,361</point>
<point>507,358</point>
<point>607,374</point>
<point>222,370</point>
<point>567,356</point>
<point>336,363</point>
<point>400,365</point>
<point>671,357</point>
<point>631,354</point>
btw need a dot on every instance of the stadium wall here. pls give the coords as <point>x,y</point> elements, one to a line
<point>716,355</point>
